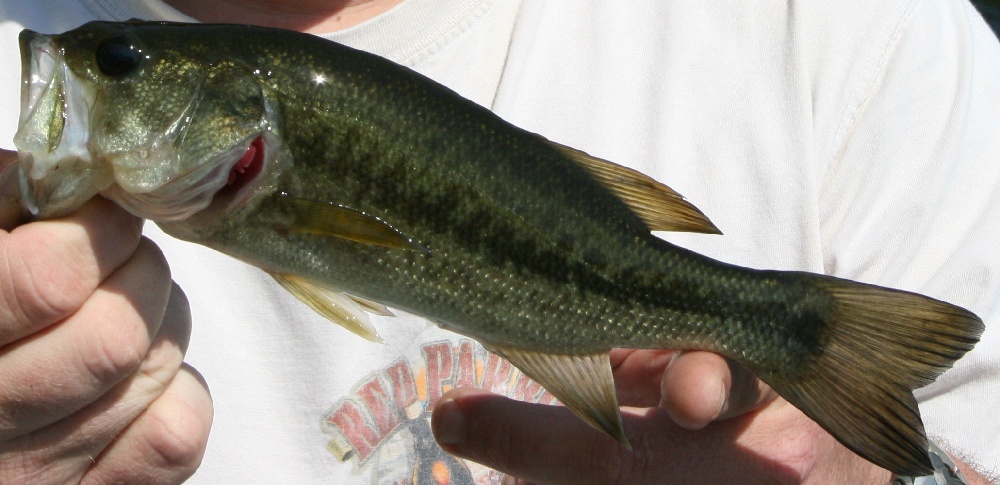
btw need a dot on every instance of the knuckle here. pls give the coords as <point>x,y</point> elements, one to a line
<point>52,267</point>
<point>30,468</point>
<point>798,454</point>
<point>130,313</point>
<point>15,469</point>
<point>47,281</point>
<point>612,468</point>
<point>634,469</point>
<point>118,350</point>
<point>794,450</point>
<point>501,453</point>
<point>177,442</point>
<point>619,465</point>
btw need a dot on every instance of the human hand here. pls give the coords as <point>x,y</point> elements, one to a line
<point>93,388</point>
<point>693,418</point>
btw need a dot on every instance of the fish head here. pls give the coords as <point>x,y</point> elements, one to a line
<point>143,114</point>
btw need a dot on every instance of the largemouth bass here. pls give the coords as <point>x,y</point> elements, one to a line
<point>361,185</point>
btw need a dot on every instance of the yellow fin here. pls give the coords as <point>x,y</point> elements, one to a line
<point>659,206</point>
<point>340,308</point>
<point>327,219</point>
<point>583,383</point>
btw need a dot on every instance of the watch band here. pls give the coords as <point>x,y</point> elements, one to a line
<point>945,471</point>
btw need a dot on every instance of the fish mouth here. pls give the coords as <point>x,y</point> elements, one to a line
<point>53,132</point>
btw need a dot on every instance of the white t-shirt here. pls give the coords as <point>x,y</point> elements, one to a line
<point>853,138</point>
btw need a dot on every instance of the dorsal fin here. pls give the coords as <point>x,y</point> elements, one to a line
<point>659,206</point>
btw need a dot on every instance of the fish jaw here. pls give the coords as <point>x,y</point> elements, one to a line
<point>57,171</point>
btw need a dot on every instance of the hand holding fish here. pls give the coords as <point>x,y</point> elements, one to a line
<point>746,434</point>
<point>92,338</point>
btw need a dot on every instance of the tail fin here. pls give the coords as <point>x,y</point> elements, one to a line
<point>881,344</point>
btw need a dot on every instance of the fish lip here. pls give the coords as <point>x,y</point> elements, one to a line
<point>53,131</point>
<point>28,40</point>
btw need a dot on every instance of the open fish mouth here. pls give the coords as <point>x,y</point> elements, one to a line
<point>53,132</point>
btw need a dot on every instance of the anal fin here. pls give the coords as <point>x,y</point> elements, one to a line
<point>582,382</point>
<point>338,307</point>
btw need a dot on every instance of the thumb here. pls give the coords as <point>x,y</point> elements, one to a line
<point>700,387</point>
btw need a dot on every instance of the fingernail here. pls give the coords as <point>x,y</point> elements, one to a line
<point>450,423</point>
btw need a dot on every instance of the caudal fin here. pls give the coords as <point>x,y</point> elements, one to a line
<point>881,344</point>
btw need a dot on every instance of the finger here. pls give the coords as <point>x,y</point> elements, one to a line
<point>63,451</point>
<point>10,206</point>
<point>48,269</point>
<point>166,443</point>
<point>515,437</point>
<point>547,444</point>
<point>638,374</point>
<point>56,373</point>
<point>701,387</point>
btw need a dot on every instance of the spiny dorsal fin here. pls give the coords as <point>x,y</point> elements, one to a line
<point>340,308</point>
<point>584,383</point>
<point>880,345</point>
<point>312,217</point>
<point>659,206</point>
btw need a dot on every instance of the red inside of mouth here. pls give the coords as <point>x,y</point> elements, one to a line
<point>248,166</point>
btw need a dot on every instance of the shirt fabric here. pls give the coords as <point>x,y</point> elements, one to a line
<point>853,138</point>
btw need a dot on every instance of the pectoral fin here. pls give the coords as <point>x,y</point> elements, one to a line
<point>659,206</point>
<point>583,383</point>
<point>340,308</point>
<point>312,217</point>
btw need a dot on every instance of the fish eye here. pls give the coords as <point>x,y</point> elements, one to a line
<point>118,55</point>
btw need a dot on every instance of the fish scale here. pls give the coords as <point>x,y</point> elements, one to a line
<point>358,183</point>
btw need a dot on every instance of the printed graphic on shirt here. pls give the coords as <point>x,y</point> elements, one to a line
<point>383,427</point>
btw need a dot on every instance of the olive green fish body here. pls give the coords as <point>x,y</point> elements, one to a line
<point>558,266</point>
<point>359,184</point>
